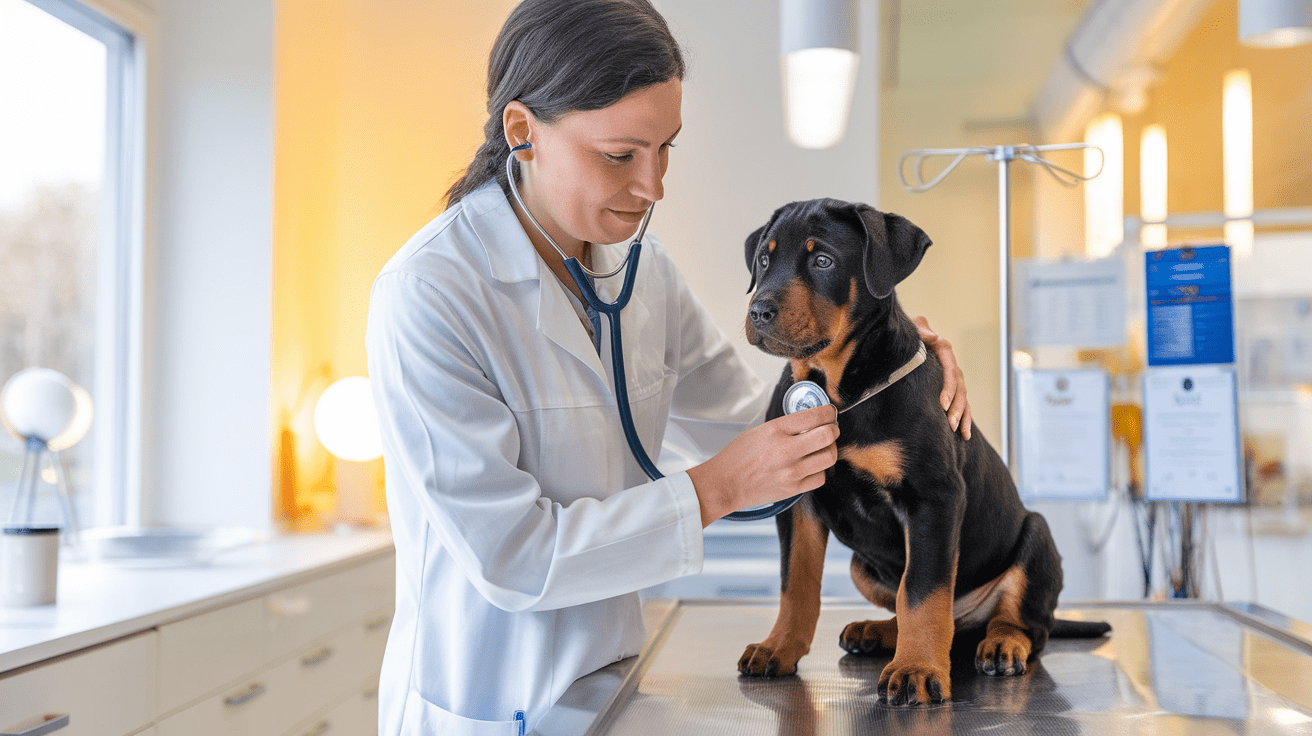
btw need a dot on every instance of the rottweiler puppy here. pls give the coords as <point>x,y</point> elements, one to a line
<point>939,534</point>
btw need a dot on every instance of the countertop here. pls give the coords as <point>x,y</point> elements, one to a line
<point>100,602</point>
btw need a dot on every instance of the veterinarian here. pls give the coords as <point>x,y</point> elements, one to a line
<point>523,527</point>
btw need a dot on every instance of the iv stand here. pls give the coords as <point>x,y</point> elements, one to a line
<point>1003,155</point>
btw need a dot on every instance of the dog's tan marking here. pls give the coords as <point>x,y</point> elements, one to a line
<point>810,246</point>
<point>799,603</point>
<point>1006,641</point>
<point>877,593</point>
<point>924,638</point>
<point>977,607</point>
<point>883,461</point>
<point>772,245</point>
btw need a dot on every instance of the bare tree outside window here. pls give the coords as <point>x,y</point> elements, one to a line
<point>52,155</point>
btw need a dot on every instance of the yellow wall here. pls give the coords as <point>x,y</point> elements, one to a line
<point>1187,102</point>
<point>378,108</point>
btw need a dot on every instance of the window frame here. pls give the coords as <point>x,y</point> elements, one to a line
<point>117,388</point>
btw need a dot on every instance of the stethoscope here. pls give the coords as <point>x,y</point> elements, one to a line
<point>629,265</point>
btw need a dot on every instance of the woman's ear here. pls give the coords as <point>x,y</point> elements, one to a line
<point>518,121</point>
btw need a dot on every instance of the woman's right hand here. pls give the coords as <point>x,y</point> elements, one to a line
<point>776,460</point>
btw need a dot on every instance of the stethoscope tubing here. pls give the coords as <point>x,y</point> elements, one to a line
<point>612,310</point>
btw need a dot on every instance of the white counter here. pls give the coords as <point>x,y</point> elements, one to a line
<point>98,603</point>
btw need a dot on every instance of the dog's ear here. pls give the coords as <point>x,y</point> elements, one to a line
<point>753,243</point>
<point>894,247</point>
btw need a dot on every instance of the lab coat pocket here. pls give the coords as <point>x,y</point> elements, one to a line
<point>424,718</point>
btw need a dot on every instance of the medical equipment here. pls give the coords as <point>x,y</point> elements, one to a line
<point>804,395</point>
<point>1003,155</point>
<point>583,278</point>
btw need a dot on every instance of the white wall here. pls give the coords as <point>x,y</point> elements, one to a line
<point>733,165</point>
<point>206,312</point>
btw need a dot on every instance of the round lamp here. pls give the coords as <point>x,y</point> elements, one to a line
<point>346,422</point>
<point>39,404</point>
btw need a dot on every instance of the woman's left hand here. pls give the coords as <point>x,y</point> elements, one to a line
<point>953,398</point>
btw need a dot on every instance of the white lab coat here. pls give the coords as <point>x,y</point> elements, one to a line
<point>523,526</point>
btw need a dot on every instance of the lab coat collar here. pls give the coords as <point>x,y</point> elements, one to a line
<point>512,258</point>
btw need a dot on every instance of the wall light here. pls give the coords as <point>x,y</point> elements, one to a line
<point>1152,185</point>
<point>1104,196</point>
<point>1275,23</point>
<point>818,45</point>
<point>1237,159</point>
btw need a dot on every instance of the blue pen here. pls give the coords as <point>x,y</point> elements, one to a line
<point>519,719</point>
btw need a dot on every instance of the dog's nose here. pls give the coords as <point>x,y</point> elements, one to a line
<point>762,312</point>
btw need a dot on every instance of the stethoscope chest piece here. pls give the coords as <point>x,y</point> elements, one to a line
<point>804,395</point>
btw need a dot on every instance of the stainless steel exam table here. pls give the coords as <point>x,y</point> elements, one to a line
<point>1181,668</point>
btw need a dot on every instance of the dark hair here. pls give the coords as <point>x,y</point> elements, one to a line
<point>562,56</point>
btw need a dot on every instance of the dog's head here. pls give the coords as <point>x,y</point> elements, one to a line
<point>818,267</point>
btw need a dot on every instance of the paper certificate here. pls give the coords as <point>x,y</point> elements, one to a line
<point>1191,435</point>
<point>1064,434</point>
<point>1073,303</point>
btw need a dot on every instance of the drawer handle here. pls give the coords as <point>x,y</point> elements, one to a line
<point>49,725</point>
<point>377,623</point>
<point>317,658</point>
<point>255,690</point>
<point>319,729</point>
<point>370,694</point>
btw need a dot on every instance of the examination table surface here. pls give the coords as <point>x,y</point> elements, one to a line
<point>1167,668</point>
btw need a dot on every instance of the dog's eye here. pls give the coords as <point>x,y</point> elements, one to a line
<point>764,260</point>
<point>823,261</point>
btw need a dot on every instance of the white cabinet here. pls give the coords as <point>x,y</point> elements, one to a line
<point>107,690</point>
<point>297,660</point>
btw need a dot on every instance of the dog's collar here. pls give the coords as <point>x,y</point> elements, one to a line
<point>897,375</point>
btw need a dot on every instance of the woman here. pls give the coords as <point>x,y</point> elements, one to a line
<point>523,527</point>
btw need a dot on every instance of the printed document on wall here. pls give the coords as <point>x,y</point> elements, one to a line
<point>1064,434</point>
<point>1191,435</point>
<point>1076,303</point>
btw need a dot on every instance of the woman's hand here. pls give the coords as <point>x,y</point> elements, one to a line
<point>953,398</point>
<point>776,460</point>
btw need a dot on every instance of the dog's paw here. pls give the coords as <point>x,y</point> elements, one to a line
<point>914,682</point>
<point>1003,654</point>
<point>869,637</point>
<point>764,660</point>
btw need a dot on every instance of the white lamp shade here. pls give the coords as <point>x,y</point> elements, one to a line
<point>818,87</point>
<point>346,421</point>
<point>43,404</point>
<point>1275,23</point>
<point>818,45</point>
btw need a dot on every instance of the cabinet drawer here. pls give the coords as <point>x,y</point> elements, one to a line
<point>261,705</point>
<point>302,613</point>
<point>201,654</point>
<point>375,628</point>
<point>107,691</point>
<point>327,672</point>
<point>344,719</point>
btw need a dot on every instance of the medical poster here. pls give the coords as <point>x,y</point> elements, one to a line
<point>1191,435</point>
<point>1064,434</point>
<point>1080,303</point>
<point>1190,309</point>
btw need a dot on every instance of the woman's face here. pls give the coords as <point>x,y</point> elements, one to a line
<point>592,174</point>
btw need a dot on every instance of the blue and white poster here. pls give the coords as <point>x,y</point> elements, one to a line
<point>1190,307</point>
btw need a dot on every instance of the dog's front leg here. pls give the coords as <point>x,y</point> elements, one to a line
<point>919,672</point>
<point>802,542</point>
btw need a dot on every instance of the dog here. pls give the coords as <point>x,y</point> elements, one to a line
<point>939,534</point>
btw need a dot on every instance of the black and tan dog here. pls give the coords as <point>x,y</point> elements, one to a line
<point>939,532</point>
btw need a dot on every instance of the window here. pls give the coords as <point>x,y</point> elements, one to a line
<point>69,236</point>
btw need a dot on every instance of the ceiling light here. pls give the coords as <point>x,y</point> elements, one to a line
<point>1275,23</point>
<point>818,45</point>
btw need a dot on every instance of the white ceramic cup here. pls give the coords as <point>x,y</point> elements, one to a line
<point>29,565</point>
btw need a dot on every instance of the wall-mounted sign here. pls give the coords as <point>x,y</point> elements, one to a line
<point>1190,310</point>
<point>1064,434</point>
<point>1191,435</point>
<point>1079,303</point>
